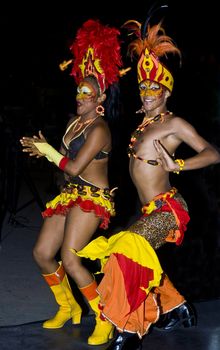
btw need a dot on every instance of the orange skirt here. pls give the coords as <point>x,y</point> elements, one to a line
<point>131,270</point>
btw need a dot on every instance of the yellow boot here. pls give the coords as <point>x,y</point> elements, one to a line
<point>104,329</point>
<point>69,308</point>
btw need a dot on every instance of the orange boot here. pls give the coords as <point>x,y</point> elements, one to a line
<point>104,329</point>
<point>69,308</point>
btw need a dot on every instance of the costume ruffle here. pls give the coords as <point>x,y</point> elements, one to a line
<point>88,198</point>
<point>131,269</point>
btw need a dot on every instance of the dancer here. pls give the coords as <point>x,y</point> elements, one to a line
<point>135,290</point>
<point>86,202</point>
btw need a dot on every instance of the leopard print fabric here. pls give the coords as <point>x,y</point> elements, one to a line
<point>156,227</point>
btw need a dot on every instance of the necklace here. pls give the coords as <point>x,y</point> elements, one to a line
<point>81,126</point>
<point>138,131</point>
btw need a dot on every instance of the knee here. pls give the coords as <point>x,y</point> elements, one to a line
<point>71,264</point>
<point>40,255</point>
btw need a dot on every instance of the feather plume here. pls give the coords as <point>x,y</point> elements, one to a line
<point>133,26</point>
<point>156,40</point>
<point>105,43</point>
<point>151,43</point>
<point>154,8</point>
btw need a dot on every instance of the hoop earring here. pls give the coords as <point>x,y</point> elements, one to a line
<point>142,110</point>
<point>100,110</point>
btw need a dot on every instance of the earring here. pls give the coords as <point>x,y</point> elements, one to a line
<point>142,110</point>
<point>100,110</point>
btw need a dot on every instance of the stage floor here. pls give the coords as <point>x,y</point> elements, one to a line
<point>205,336</point>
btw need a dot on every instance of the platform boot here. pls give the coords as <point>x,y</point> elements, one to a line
<point>104,329</point>
<point>68,306</point>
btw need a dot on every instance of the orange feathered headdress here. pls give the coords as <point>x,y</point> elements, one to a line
<point>96,51</point>
<point>151,44</point>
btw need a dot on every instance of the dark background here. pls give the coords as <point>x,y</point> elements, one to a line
<point>35,94</point>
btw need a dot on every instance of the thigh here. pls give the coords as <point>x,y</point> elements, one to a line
<point>51,236</point>
<point>80,226</point>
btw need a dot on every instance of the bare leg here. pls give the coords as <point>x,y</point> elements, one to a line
<point>79,229</point>
<point>48,243</point>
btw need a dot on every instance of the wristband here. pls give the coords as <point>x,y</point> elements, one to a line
<point>63,163</point>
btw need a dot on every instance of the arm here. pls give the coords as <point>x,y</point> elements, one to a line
<point>95,141</point>
<point>29,143</point>
<point>185,132</point>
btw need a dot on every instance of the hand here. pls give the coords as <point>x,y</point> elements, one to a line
<point>164,158</point>
<point>29,147</point>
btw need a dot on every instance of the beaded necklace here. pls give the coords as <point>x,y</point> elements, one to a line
<point>80,127</point>
<point>78,124</point>
<point>139,131</point>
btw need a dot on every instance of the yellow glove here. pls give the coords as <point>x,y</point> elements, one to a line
<point>49,152</point>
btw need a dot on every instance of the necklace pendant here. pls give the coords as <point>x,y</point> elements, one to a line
<point>152,162</point>
<point>157,118</point>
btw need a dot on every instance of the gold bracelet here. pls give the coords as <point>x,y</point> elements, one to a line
<point>181,164</point>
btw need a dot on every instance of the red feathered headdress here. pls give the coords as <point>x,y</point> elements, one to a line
<point>96,51</point>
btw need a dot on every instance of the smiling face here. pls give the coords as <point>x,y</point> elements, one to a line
<point>153,95</point>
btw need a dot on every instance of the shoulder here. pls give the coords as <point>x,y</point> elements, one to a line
<point>179,122</point>
<point>182,128</point>
<point>99,128</point>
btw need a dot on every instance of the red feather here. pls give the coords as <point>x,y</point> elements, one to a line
<point>104,40</point>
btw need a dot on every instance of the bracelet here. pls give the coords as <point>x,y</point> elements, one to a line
<point>181,164</point>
